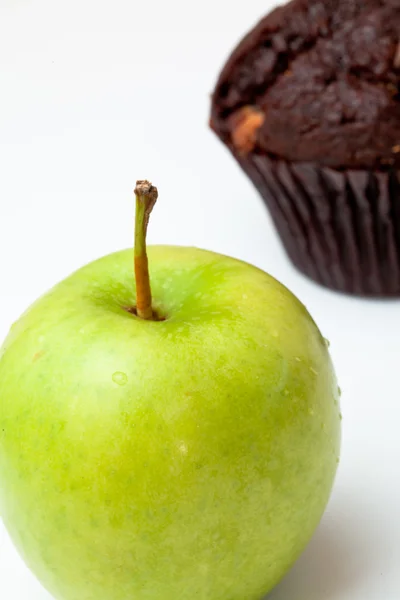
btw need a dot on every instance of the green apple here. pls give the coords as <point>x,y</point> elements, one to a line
<point>186,454</point>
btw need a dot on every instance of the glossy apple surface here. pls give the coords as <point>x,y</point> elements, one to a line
<point>188,458</point>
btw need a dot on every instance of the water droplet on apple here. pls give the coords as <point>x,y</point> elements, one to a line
<point>313,371</point>
<point>275,333</point>
<point>327,342</point>
<point>244,296</point>
<point>311,412</point>
<point>286,392</point>
<point>339,391</point>
<point>340,416</point>
<point>120,378</point>
<point>337,460</point>
<point>183,448</point>
<point>297,358</point>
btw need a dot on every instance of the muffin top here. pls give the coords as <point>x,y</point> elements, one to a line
<point>316,81</point>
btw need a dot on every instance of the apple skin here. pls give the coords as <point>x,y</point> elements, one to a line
<point>172,460</point>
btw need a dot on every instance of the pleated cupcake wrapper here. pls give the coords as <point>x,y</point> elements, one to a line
<point>341,228</point>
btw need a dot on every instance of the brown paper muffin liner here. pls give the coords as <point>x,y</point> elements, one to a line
<point>341,228</point>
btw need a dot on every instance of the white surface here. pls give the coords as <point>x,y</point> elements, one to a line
<point>95,94</point>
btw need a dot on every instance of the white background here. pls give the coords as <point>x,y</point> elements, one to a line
<point>95,94</point>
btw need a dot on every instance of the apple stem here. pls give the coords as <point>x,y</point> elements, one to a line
<point>146,197</point>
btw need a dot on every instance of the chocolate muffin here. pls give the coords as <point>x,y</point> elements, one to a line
<point>309,105</point>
